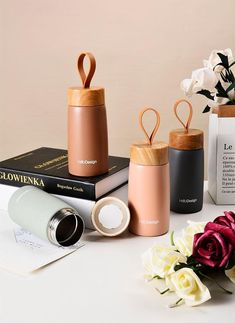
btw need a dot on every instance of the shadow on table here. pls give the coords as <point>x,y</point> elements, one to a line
<point>94,236</point>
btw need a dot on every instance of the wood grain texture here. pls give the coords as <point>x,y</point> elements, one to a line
<point>81,97</point>
<point>226,111</point>
<point>149,155</point>
<point>186,140</point>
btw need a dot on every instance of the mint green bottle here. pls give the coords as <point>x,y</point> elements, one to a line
<point>45,216</point>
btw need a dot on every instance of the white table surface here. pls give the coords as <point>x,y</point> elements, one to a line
<point>102,282</point>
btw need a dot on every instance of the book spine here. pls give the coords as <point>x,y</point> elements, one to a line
<point>49,184</point>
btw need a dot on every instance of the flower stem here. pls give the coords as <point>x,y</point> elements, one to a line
<point>156,276</point>
<point>163,292</point>
<point>176,303</point>
<point>172,238</point>
<point>215,281</point>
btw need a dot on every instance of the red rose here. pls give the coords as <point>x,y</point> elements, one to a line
<point>228,219</point>
<point>214,246</point>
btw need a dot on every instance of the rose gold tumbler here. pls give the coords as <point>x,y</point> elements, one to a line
<point>87,125</point>
<point>149,188</point>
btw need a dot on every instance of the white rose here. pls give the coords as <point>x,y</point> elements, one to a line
<point>205,79</point>
<point>187,285</point>
<point>214,59</point>
<point>160,260</point>
<point>220,101</point>
<point>201,79</point>
<point>217,101</point>
<point>185,243</point>
<point>187,86</point>
<point>230,273</point>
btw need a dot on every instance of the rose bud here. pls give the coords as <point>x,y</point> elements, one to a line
<point>227,220</point>
<point>214,247</point>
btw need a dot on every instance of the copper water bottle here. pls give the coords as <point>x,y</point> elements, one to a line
<point>87,125</point>
<point>149,189</point>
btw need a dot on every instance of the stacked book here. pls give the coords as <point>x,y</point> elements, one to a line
<point>47,168</point>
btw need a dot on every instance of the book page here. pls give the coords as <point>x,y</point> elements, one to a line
<point>226,169</point>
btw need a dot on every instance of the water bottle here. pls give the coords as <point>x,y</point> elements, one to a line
<point>87,125</point>
<point>148,189</point>
<point>186,157</point>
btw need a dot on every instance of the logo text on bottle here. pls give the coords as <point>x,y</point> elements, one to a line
<point>187,201</point>
<point>87,162</point>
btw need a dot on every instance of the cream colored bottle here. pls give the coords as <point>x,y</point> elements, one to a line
<point>149,188</point>
<point>87,125</point>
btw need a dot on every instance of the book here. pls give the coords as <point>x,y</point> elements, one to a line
<point>47,168</point>
<point>84,207</point>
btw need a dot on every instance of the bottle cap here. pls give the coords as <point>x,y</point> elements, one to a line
<point>110,216</point>
<point>185,138</point>
<point>150,153</point>
<point>86,96</point>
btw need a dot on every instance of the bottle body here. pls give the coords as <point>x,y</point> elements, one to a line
<point>149,199</point>
<point>45,215</point>
<point>87,140</point>
<point>186,180</point>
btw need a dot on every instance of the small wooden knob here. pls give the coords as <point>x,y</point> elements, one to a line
<point>185,138</point>
<point>191,140</point>
<point>81,97</point>
<point>150,155</point>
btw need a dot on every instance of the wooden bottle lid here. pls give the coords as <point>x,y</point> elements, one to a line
<point>185,139</point>
<point>86,96</point>
<point>149,154</point>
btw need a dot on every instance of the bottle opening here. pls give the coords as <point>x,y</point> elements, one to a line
<point>66,228</point>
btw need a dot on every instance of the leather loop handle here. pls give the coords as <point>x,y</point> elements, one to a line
<point>86,79</point>
<point>187,124</point>
<point>155,129</point>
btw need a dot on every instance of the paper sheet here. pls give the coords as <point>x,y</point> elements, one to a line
<point>22,252</point>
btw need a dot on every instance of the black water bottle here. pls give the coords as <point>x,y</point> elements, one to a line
<point>186,157</point>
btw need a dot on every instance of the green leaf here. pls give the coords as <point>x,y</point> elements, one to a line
<point>206,93</point>
<point>219,64</point>
<point>231,86</point>
<point>231,262</point>
<point>224,60</point>
<point>207,109</point>
<point>180,265</point>
<point>229,77</point>
<point>223,77</point>
<point>172,238</point>
<point>232,102</point>
<point>231,64</point>
<point>221,91</point>
<point>222,95</point>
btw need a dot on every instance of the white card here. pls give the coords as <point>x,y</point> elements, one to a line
<point>22,252</point>
<point>226,169</point>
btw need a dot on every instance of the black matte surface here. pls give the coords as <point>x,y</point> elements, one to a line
<point>186,179</point>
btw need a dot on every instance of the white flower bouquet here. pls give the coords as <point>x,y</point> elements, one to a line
<point>203,249</point>
<point>215,80</point>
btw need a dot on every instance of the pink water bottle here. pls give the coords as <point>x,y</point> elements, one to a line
<point>149,187</point>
